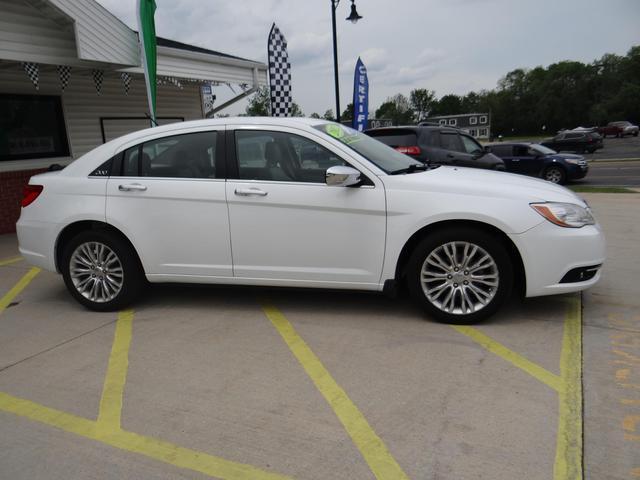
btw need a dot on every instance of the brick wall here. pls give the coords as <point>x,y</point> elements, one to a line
<point>11,184</point>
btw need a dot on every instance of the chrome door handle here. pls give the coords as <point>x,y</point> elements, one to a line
<point>245,192</point>
<point>132,186</point>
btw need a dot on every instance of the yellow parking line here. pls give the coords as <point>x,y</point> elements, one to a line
<point>18,287</point>
<point>132,442</point>
<point>545,376</point>
<point>568,465</point>
<point>372,448</point>
<point>111,401</point>
<point>9,261</point>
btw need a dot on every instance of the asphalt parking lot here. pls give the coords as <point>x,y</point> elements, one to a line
<point>248,383</point>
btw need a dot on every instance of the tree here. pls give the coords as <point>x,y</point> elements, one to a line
<point>314,115</point>
<point>347,115</point>
<point>448,105</point>
<point>396,108</point>
<point>422,101</point>
<point>260,103</point>
<point>296,111</point>
<point>328,115</point>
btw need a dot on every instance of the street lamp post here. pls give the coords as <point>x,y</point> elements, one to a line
<point>353,18</point>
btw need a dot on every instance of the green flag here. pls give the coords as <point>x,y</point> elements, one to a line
<point>147,37</point>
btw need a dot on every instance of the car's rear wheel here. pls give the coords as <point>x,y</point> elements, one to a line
<point>460,275</point>
<point>101,271</point>
<point>555,174</point>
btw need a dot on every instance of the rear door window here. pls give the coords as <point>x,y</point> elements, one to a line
<point>191,155</point>
<point>451,141</point>
<point>501,150</point>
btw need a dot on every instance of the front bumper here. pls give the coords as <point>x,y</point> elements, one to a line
<point>549,252</point>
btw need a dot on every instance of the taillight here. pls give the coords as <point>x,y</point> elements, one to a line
<point>30,193</point>
<point>414,150</point>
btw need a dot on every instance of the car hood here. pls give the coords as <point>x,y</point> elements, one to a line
<point>483,183</point>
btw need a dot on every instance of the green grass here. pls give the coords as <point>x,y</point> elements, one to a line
<point>589,189</point>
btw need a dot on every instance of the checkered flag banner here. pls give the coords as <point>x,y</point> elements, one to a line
<point>33,72</point>
<point>64,72</point>
<point>98,78</point>
<point>174,81</point>
<point>279,74</point>
<point>126,82</point>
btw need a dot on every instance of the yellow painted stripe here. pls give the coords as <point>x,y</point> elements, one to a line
<point>9,261</point>
<point>545,376</point>
<point>18,287</point>
<point>150,447</point>
<point>109,417</point>
<point>568,464</point>
<point>372,448</point>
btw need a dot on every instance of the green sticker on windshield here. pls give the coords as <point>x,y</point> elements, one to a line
<point>334,130</point>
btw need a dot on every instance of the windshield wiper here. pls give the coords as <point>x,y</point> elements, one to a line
<point>414,167</point>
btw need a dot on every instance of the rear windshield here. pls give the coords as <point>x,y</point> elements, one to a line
<point>396,138</point>
<point>382,156</point>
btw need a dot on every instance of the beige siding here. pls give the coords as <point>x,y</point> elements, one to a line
<point>26,34</point>
<point>100,35</point>
<point>83,107</point>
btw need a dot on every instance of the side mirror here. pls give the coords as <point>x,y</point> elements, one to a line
<point>486,149</point>
<point>341,176</point>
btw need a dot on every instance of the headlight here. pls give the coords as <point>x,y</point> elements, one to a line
<point>574,161</point>
<point>565,214</point>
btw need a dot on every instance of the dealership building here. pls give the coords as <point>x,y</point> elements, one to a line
<point>71,79</point>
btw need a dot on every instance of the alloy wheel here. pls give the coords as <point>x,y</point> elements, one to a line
<point>96,272</point>
<point>459,278</point>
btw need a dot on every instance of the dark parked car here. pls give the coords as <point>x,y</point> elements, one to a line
<point>435,145</point>
<point>619,129</point>
<point>539,161</point>
<point>572,141</point>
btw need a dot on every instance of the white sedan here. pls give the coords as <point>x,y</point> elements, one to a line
<point>302,203</point>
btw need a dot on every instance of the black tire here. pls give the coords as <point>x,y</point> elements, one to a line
<point>555,174</point>
<point>132,279</point>
<point>434,243</point>
<point>635,134</point>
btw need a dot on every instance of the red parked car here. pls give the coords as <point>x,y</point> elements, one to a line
<point>619,129</point>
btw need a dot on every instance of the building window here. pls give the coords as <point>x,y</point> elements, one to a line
<point>483,132</point>
<point>473,120</point>
<point>442,121</point>
<point>473,132</point>
<point>32,126</point>
<point>453,121</point>
<point>483,119</point>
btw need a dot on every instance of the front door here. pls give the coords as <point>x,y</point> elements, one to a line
<point>288,225</point>
<point>168,198</point>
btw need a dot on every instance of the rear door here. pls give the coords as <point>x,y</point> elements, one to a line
<point>168,198</point>
<point>505,152</point>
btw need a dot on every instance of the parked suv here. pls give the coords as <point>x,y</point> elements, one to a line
<point>435,145</point>
<point>539,161</point>
<point>572,141</point>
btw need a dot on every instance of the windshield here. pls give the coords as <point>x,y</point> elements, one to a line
<point>543,150</point>
<point>381,155</point>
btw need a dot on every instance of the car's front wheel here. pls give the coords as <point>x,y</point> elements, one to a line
<point>555,174</point>
<point>101,271</point>
<point>460,275</point>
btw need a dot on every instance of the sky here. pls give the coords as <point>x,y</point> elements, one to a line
<point>452,46</point>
